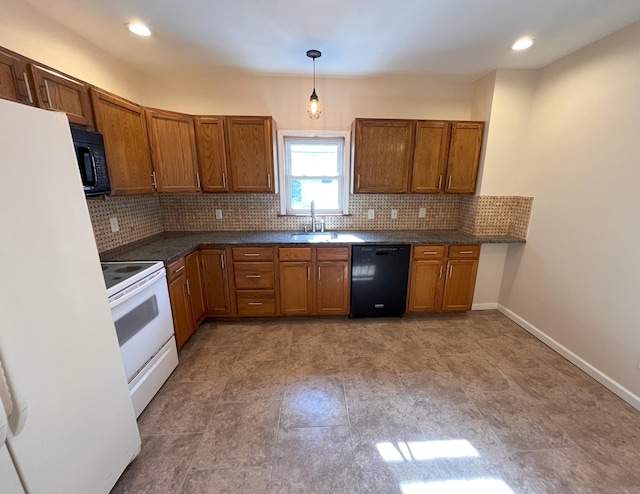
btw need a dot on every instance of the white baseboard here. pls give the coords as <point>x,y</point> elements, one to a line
<point>487,306</point>
<point>597,374</point>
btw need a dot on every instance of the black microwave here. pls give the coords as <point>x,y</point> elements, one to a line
<point>92,161</point>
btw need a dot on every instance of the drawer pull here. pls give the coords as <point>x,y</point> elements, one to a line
<point>429,253</point>
<point>252,255</point>
<point>465,252</point>
<point>253,276</point>
<point>254,303</point>
<point>179,269</point>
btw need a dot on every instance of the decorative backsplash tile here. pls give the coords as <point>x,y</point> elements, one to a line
<point>196,212</point>
<point>143,216</point>
<point>495,215</point>
<point>138,217</point>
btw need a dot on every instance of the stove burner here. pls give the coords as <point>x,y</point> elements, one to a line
<point>129,269</point>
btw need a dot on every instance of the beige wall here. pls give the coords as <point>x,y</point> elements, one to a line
<point>229,92</point>
<point>25,30</point>
<point>509,119</point>
<point>577,280</point>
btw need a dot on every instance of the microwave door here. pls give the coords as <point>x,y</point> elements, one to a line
<point>87,166</point>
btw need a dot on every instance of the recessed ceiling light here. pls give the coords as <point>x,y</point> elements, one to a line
<point>138,28</point>
<point>523,44</point>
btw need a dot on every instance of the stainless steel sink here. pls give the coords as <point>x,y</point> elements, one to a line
<point>314,236</point>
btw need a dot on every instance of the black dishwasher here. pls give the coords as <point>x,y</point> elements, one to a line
<point>379,276</point>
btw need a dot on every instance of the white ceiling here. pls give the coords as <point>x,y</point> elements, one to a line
<point>466,38</point>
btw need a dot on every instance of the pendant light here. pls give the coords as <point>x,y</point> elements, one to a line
<point>314,109</point>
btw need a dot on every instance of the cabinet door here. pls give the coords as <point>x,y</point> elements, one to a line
<point>295,288</point>
<point>14,82</point>
<point>426,284</point>
<point>250,153</point>
<point>173,150</point>
<point>55,91</point>
<point>126,142</point>
<point>194,287</point>
<point>464,157</point>
<point>332,287</point>
<point>216,282</point>
<point>430,157</point>
<point>212,158</point>
<point>459,285</point>
<point>181,309</point>
<point>382,155</point>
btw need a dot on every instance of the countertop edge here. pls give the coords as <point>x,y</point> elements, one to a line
<point>170,246</point>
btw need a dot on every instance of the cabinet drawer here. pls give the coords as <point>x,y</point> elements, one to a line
<point>252,253</point>
<point>175,269</point>
<point>256,302</point>
<point>428,251</point>
<point>294,253</point>
<point>254,275</point>
<point>333,253</point>
<point>464,251</point>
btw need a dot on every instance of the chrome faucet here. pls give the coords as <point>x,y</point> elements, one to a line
<point>313,216</point>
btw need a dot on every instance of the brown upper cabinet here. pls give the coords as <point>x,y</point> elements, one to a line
<point>56,91</point>
<point>430,156</point>
<point>173,151</point>
<point>212,157</point>
<point>14,82</point>
<point>424,156</point>
<point>124,128</point>
<point>382,152</point>
<point>250,153</point>
<point>446,157</point>
<point>464,156</point>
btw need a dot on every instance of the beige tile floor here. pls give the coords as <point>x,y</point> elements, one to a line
<point>438,404</point>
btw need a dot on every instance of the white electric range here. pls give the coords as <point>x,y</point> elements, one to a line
<point>141,312</point>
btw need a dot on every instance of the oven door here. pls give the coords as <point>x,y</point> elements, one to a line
<point>142,317</point>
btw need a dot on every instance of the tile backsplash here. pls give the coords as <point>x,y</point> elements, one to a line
<point>261,212</point>
<point>138,217</point>
<point>143,216</point>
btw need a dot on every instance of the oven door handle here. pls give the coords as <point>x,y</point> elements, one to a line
<point>135,289</point>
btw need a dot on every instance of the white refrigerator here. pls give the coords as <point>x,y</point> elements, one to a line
<point>67,424</point>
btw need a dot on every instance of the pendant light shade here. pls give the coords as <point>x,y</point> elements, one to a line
<point>313,109</point>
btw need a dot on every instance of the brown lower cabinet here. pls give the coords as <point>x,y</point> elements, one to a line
<point>180,301</point>
<point>215,277</point>
<point>254,281</point>
<point>442,278</point>
<point>300,280</point>
<point>314,280</point>
<point>186,295</point>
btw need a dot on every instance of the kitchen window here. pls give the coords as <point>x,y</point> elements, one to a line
<point>314,167</point>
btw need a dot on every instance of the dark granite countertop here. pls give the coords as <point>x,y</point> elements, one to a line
<point>169,246</point>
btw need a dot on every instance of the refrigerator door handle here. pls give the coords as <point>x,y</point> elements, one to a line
<point>15,408</point>
<point>4,426</point>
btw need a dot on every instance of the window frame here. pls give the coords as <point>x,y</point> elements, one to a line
<point>284,168</point>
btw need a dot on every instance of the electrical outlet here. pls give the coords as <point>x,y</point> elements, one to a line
<point>114,224</point>
<point>218,214</point>
<point>394,214</point>
<point>371,214</point>
<point>422,213</point>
